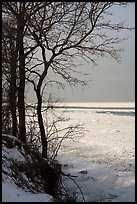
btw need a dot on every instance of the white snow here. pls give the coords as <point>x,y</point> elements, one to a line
<point>106,152</point>
<point>13,153</point>
<point>11,193</point>
<point>103,160</point>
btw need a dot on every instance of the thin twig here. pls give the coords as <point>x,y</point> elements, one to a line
<point>70,176</point>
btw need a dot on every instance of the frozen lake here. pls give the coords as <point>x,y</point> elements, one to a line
<point>106,152</point>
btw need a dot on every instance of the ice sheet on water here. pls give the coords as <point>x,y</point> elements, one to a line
<point>106,152</point>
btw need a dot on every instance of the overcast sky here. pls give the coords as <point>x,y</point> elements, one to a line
<point>110,81</point>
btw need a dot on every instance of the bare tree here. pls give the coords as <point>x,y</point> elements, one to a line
<point>20,13</point>
<point>9,62</point>
<point>57,128</point>
<point>63,33</point>
<point>15,11</point>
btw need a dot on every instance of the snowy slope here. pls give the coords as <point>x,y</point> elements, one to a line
<point>11,192</point>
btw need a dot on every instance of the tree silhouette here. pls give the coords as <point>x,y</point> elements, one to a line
<point>54,36</point>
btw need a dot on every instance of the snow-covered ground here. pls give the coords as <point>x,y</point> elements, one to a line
<point>103,159</point>
<point>10,191</point>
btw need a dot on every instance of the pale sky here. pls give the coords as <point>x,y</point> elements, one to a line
<point>110,81</point>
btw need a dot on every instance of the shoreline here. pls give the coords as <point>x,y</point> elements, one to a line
<point>89,104</point>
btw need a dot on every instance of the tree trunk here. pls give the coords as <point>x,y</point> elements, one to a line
<point>13,107</point>
<point>13,88</point>
<point>21,88</point>
<point>41,126</point>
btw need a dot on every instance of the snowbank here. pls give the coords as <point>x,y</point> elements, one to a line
<point>26,176</point>
<point>12,193</point>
